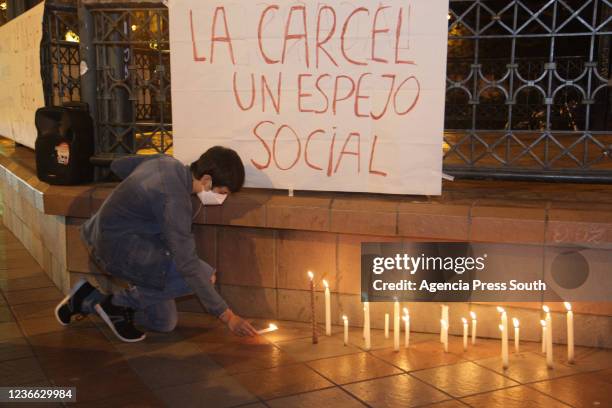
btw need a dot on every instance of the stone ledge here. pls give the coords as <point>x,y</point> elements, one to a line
<point>466,211</point>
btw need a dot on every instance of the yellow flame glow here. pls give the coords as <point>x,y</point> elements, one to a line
<point>71,36</point>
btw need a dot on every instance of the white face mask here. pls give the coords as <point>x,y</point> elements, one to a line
<point>211,198</point>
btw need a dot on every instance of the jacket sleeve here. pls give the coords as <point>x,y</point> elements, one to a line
<point>176,228</point>
<point>124,166</point>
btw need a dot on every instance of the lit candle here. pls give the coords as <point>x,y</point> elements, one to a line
<point>473,315</point>
<point>444,316</point>
<point>504,336</point>
<point>366,325</point>
<point>570,332</point>
<point>515,322</point>
<point>315,339</point>
<point>444,327</point>
<point>386,325</point>
<point>345,320</point>
<point>272,327</point>
<point>504,352</point>
<point>465,332</point>
<point>543,323</point>
<point>327,309</point>
<point>549,330</point>
<point>406,327</point>
<point>396,326</point>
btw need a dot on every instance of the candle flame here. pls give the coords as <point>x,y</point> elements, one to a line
<point>464,320</point>
<point>500,309</point>
<point>568,306</point>
<point>546,309</point>
<point>543,323</point>
<point>515,322</point>
<point>344,318</point>
<point>272,326</point>
<point>310,275</point>
<point>473,314</point>
<point>325,283</point>
<point>405,310</point>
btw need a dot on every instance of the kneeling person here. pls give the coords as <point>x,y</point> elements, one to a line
<point>142,233</point>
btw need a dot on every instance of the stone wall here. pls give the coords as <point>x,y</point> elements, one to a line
<point>44,236</point>
<point>263,243</point>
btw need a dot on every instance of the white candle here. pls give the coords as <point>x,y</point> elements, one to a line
<point>543,323</point>
<point>315,336</point>
<point>386,325</point>
<point>366,325</point>
<point>444,316</point>
<point>272,327</point>
<point>504,353</point>
<point>473,315</point>
<point>345,320</point>
<point>364,321</point>
<point>465,332</point>
<point>570,332</point>
<point>396,326</point>
<point>406,328</point>
<point>549,329</point>
<point>444,328</point>
<point>327,309</point>
<point>504,336</point>
<point>515,322</point>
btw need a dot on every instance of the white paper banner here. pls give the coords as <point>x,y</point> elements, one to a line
<point>337,95</point>
<point>21,87</point>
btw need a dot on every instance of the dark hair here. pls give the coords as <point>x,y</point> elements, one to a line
<point>223,165</point>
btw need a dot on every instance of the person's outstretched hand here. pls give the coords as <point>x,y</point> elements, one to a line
<point>237,324</point>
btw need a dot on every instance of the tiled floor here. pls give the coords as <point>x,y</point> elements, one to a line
<point>202,364</point>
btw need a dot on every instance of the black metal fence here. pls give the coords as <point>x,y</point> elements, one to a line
<point>528,85</point>
<point>528,89</point>
<point>60,55</point>
<point>133,77</point>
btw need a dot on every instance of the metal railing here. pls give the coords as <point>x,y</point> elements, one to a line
<point>528,87</point>
<point>60,54</point>
<point>133,65</point>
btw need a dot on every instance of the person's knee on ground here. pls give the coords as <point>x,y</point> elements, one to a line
<point>164,325</point>
<point>161,317</point>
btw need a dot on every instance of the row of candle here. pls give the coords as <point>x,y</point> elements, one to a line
<point>546,335</point>
<point>444,325</point>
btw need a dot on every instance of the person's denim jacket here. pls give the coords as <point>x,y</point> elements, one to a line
<point>145,224</point>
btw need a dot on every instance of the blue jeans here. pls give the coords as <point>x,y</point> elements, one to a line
<point>155,309</point>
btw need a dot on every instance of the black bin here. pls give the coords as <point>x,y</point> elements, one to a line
<point>64,144</point>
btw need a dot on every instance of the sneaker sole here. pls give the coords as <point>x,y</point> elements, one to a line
<point>111,326</point>
<point>74,290</point>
